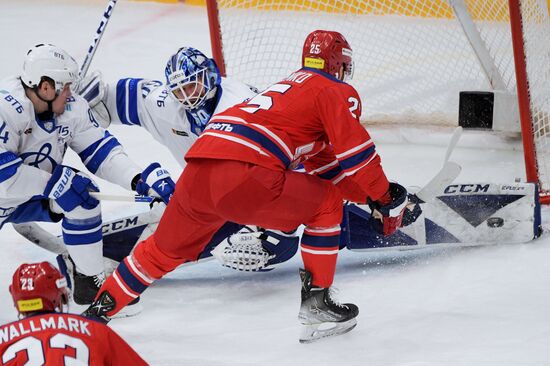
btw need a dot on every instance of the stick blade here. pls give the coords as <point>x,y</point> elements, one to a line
<point>437,184</point>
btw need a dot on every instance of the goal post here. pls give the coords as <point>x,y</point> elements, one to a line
<point>413,58</point>
<point>534,126</point>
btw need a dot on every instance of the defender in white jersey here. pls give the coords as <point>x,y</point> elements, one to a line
<point>39,121</point>
<point>174,113</point>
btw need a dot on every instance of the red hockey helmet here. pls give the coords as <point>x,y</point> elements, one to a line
<point>328,51</point>
<point>38,287</point>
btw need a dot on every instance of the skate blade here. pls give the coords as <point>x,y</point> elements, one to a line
<point>128,311</point>
<point>314,332</point>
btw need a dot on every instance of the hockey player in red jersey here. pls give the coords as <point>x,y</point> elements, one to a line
<point>241,170</point>
<point>47,336</point>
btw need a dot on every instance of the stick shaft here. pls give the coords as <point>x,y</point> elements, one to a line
<point>457,133</point>
<point>129,197</point>
<point>97,38</point>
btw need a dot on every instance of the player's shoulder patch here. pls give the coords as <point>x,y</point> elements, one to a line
<point>76,105</point>
<point>13,101</point>
<point>147,86</point>
<point>156,95</point>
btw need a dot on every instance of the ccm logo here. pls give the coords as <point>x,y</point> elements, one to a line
<point>467,188</point>
<point>120,225</point>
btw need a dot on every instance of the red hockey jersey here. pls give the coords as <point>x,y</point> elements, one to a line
<point>309,118</point>
<point>63,339</point>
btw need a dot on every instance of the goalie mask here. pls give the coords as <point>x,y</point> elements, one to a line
<point>38,287</point>
<point>46,60</point>
<point>191,77</point>
<point>328,51</point>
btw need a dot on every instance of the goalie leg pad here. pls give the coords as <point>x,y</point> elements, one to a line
<point>462,214</point>
<point>281,245</point>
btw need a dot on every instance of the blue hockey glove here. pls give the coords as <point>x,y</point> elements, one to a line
<point>387,212</point>
<point>70,189</point>
<point>158,179</point>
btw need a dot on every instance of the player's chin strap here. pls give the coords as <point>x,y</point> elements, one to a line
<point>244,251</point>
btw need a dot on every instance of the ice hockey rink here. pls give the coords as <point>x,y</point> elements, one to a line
<point>480,306</point>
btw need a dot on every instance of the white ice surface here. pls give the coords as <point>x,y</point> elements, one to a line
<point>477,306</point>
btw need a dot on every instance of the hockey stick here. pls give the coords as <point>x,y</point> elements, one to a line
<point>53,243</point>
<point>37,235</point>
<point>446,175</point>
<point>129,197</point>
<point>439,182</point>
<point>457,133</point>
<point>99,34</point>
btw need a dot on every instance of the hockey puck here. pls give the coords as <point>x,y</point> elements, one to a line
<point>495,222</point>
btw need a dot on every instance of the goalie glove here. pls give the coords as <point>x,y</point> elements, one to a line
<point>255,249</point>
<point>242,251</point>
<point>93,89</point>
<point>388,211</point>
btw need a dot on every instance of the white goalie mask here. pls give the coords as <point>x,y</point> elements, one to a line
<point>46,60</point>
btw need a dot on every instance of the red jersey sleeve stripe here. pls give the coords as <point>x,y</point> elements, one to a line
<point>236,140</point>
<point>259,138</point>
<point>352,172</point>
<point>358,158</point>
<point>354,150</point>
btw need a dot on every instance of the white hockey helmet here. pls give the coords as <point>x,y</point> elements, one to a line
<point>52,62</point>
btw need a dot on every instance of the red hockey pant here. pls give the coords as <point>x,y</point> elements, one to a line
<point>211,192</point>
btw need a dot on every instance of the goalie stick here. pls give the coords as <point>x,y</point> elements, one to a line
<point>437,184</point>
<point>53,243</point>
<point>457,133</point>
<point>446,175</point>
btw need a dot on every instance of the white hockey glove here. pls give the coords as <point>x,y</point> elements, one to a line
<point>93,89</point>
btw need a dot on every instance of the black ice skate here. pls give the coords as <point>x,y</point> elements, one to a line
<point>84,288</point>
<point>320,315</point>
<point>98,309</point>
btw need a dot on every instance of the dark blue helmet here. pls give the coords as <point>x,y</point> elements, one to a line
<point>191,77</point>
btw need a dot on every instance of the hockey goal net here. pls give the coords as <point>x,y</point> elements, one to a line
<point>412,57</point>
